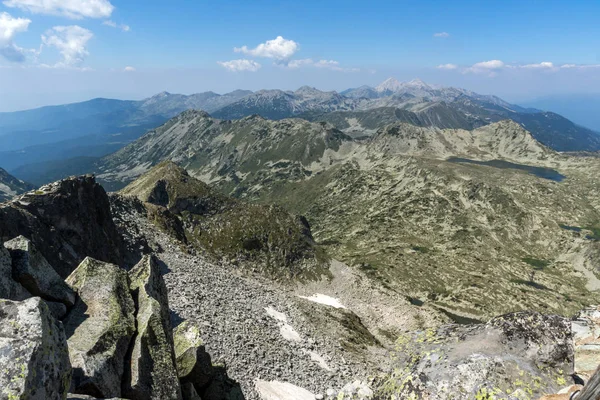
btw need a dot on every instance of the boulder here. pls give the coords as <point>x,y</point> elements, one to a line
<point>35,274</point>
<point>188,391</point>
<point>58,310</point>
<point>586,333</point>
<point>515,355</point>
<point>9,288</point>
<point>99,328</point>
<point>193,362</point>
<point>152,374</point>
<point>222,387</point>
<point>34,358</point>
<point>67,221</point>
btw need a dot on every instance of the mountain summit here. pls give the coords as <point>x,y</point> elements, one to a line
<point>393,85</point>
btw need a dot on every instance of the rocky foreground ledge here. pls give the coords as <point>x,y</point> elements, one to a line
<point>85,313</point>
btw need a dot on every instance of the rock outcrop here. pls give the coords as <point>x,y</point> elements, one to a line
<point>515,355</point>
<point>35,274</point>
<point>586,334</point>
<point>193,362</point>
<point>152,373</point>
<point>66,221</point>
<point>34,359</point>
<point>9,288</point>
<point>99,328</point>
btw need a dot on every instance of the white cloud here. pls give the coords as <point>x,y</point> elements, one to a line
<point>447,66</point>
<point>129,69</point>
<point>300,63</point>
<point>9,27</point>
<point>486,67</point>
<point>492,64</point>
<point>579,66</point>
<point>279,48</point>
<point>113,24</point>
<point>75,9</point>
<point>441,34</point>
<point>325,64</point>
<point>542,65</point>
<point>240,65</point>
<point>70,41</point>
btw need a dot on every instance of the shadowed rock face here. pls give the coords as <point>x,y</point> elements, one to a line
<point>152,373</point>
<point>511,355</point>
<point>66,221</point>
<point>34,358</point>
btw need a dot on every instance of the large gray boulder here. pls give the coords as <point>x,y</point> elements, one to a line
<point>519,355</point>
<point>35,274</point>
<point>34,358</point>
<point>99,328</point>
<point>9,288</point>
<point>153,374</point>
<point>193,362</point>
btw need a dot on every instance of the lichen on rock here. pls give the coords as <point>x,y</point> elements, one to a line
<point>34,359</point>
<point>152,373</point>
<point>99,328</point>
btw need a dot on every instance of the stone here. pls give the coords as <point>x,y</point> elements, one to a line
<point>188,391</point>
<point>72,396</point>
<point>153,373</point>
<point>193,362</point>
<point>9,288</point>
<point>58,310</point>
<point>99,328</point>
<point>66,221</point>
<point>35,274</point>
<point>222,387</point>
<point>524,352</point>
<point>275,390</point>
<point>34,358</point>
<point>586,335</point>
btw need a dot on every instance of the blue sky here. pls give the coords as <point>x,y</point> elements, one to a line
<point>54,53</point>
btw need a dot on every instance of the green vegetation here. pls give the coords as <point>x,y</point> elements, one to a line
<point>267,237</point>
<point>537,264</point>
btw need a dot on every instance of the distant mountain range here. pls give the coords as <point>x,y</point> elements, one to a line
<point>36,142</point>
<point>92,128</point>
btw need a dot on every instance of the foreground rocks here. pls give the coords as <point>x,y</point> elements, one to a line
<point>99,328</point>
<point>66,221</point>
<point>34,358</point>
<point>32,270</point>
<point>153,374</point>
<point>512,356</point>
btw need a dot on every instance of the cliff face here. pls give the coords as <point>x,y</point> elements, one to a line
<point>67,221</point>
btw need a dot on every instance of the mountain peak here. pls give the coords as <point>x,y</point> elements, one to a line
<point>390,84</point>
<point>417,83</point>
<point>393,85</point>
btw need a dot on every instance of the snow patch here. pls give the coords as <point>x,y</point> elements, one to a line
<point>273,313</point>
<point>289,333</point>
<point>275,390</point>
<point>324,299</point>
<point>286,330</point>
<point>319,360</point>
